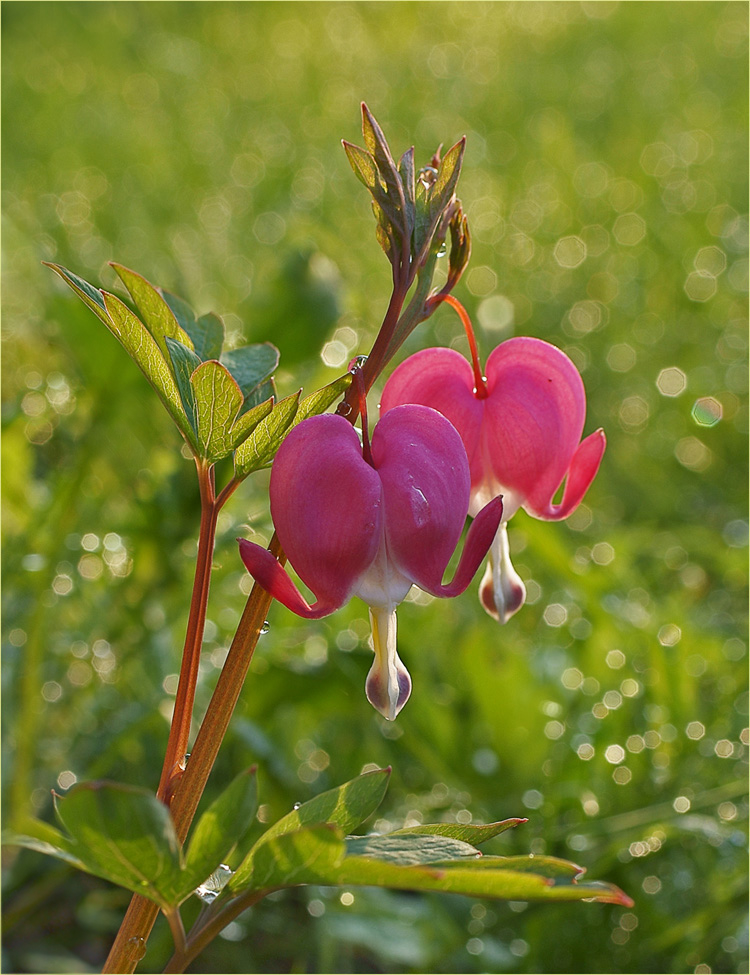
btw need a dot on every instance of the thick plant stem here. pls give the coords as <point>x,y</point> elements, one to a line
<point>139,919</point>
<point>179,732</point>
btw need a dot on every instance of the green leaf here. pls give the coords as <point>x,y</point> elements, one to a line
<point>247,422</point>
<point>409,849</point>
<point>321,399</point>
<point>363,165</point>
<point>220,828</point>
<point>305,856</point>
<point>154,310</point>
<point>124,834</point>
<point>90,295</point>
<point>476,878</point>
<point>469,834</point>
<point>376,143</point>
<point>407,173</point>
<point>444,186</point>
<point>344,807</point>
<point>142,347</point>
<point>251,364</point>
<point>43,838</point>
<point>184,364</point>
<point>259,449</point>
<point>208,335</point>
<point>206,332</point>
<point>260,394</point>
<point>218,399</point>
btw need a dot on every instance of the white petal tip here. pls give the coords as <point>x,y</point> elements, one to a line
<point>388,693</point>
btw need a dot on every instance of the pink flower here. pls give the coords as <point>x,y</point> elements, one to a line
<point>372,523</point>
<point>521,426</point>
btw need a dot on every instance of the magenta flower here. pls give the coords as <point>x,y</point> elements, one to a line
<point>372,523</point>
<point>521,426</point>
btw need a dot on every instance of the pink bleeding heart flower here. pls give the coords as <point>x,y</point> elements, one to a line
<point>372,522</point>
<point>521,425</point>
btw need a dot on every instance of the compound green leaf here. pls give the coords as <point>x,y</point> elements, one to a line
<point>344,808</point>
<point>250,365</point>
<point>43,838</point>
<point>406,849</point>
<point>321,399</point>
<point>472,833</point>
<point>483,877</point>
<point>219,830</point>
<point>124,834</point>
<point>184,364</point>
<point>88,294</point>
<point>142,347</point>
<point>247,422</point>
<point>305,856</point>
<point>206,332</point>
<point>154,310</point>
<point>218,399</point>
<point>259,449</point>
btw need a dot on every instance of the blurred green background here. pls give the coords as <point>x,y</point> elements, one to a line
<point>606,186</point>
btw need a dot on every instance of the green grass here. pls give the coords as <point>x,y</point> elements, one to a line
<point>198,143</point>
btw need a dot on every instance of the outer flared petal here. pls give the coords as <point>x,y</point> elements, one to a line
<point>581,473</point>
<point>422,466</point>
<point>424,472</point>
<point>267,572</point>
<point>534,415</point>
<point>441,379</point>
<point>327,509</point>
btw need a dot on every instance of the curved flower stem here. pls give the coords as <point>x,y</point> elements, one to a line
<point>139,919</point>
<point>480,382</point>
<point>200,937</point>
<point>179,732</point>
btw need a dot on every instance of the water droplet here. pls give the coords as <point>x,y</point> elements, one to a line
<point>344,409</point>
<point>442,250</point>
<point>137,947</point>
<point>357,363</point>
<point>296,805</point>
<point>265,628</point>
<point>210,889</point>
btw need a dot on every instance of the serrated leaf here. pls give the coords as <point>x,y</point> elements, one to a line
<point>247,422</point>
<point>250,365</point>
<point>218,399</point>
<point>472,833</point>
<point>88,294</point>
<point>321,399</point>
<point>141,346</point>
<point>184,363</point>
<point>344,807</point>
<point>407,849</point>
<point>259,449</point>
<point>206,332</point>
<point>124,834</point>
<point>220,828</point>
<point>154,310</point>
